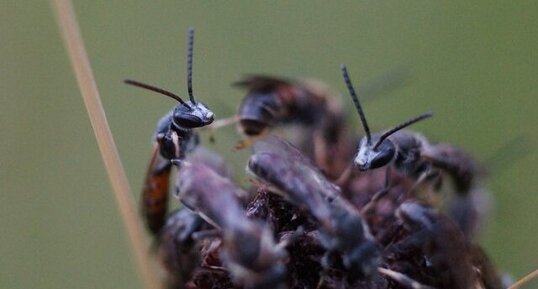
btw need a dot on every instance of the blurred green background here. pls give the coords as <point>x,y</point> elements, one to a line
<point>474,64</point>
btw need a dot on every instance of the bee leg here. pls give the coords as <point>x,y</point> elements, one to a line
<point>249,141</point>
<point>436,179</point>
<point>213,267</point>
<point>344,178</point>
<point>206,234</point>
<point>291,238</point>
<point>212,128</point>
<point>320,151</point>
<point>380,194</point>
<point>221,123</point>
<point>426,176</point>
<point>403,279</point>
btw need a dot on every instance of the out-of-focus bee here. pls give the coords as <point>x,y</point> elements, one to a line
<point>248,250</point>
<point>276,102</point>
<point>177,249</point>
<point>410,153</point>
<point>174,137</point>
<point>343,230</point>
<point>435,252</point>
<point>178,243</point>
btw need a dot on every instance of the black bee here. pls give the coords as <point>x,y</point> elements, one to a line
<point>410,153</point>
<point>271,101</point>
<point>249,252</point>
<point>343,229</point>
<point>174,137</point>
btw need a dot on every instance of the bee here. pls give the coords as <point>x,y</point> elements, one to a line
<point>411,153</point>
<point>441,254</point>
<point>178,242</point>
<point>279,102</point>
<point>343,230</point>
<point>248,250</point>
<point>174,137</point>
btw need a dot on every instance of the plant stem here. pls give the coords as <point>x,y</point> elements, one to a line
<point>73,41</point>
<point>524,280</point>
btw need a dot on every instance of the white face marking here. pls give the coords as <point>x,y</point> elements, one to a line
<point>209,114</point>
<point>364,156</point>
<point>175,140</point>
<point>201,111</point>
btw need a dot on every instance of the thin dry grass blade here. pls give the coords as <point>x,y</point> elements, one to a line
<point>524,280</point>
<point>122,192</point>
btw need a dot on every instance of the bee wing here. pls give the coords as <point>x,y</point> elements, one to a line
<point>276,145</point>
<point>284,149</point>
<point>211,159</point>
<point>261,82</point>
<point>284,166</point>
<point>384,83</point>
<point>295,182</point>
<point>211,195</point>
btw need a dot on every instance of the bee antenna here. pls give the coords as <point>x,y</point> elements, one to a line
<point>190,46</point>
<point>158,90</point>
<point>358,106</point>
<point>402,126</point>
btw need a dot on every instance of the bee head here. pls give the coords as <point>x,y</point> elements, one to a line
<point>192,115</point>
<point>371,157</point>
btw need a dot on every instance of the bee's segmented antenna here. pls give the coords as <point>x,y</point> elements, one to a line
<point>190,46</point>
<point>402,126</point>
<point>358,106</point>
<point>156,89</point>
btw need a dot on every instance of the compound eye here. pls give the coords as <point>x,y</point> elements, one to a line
<point>188,121</point>
<point>384,154</point>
